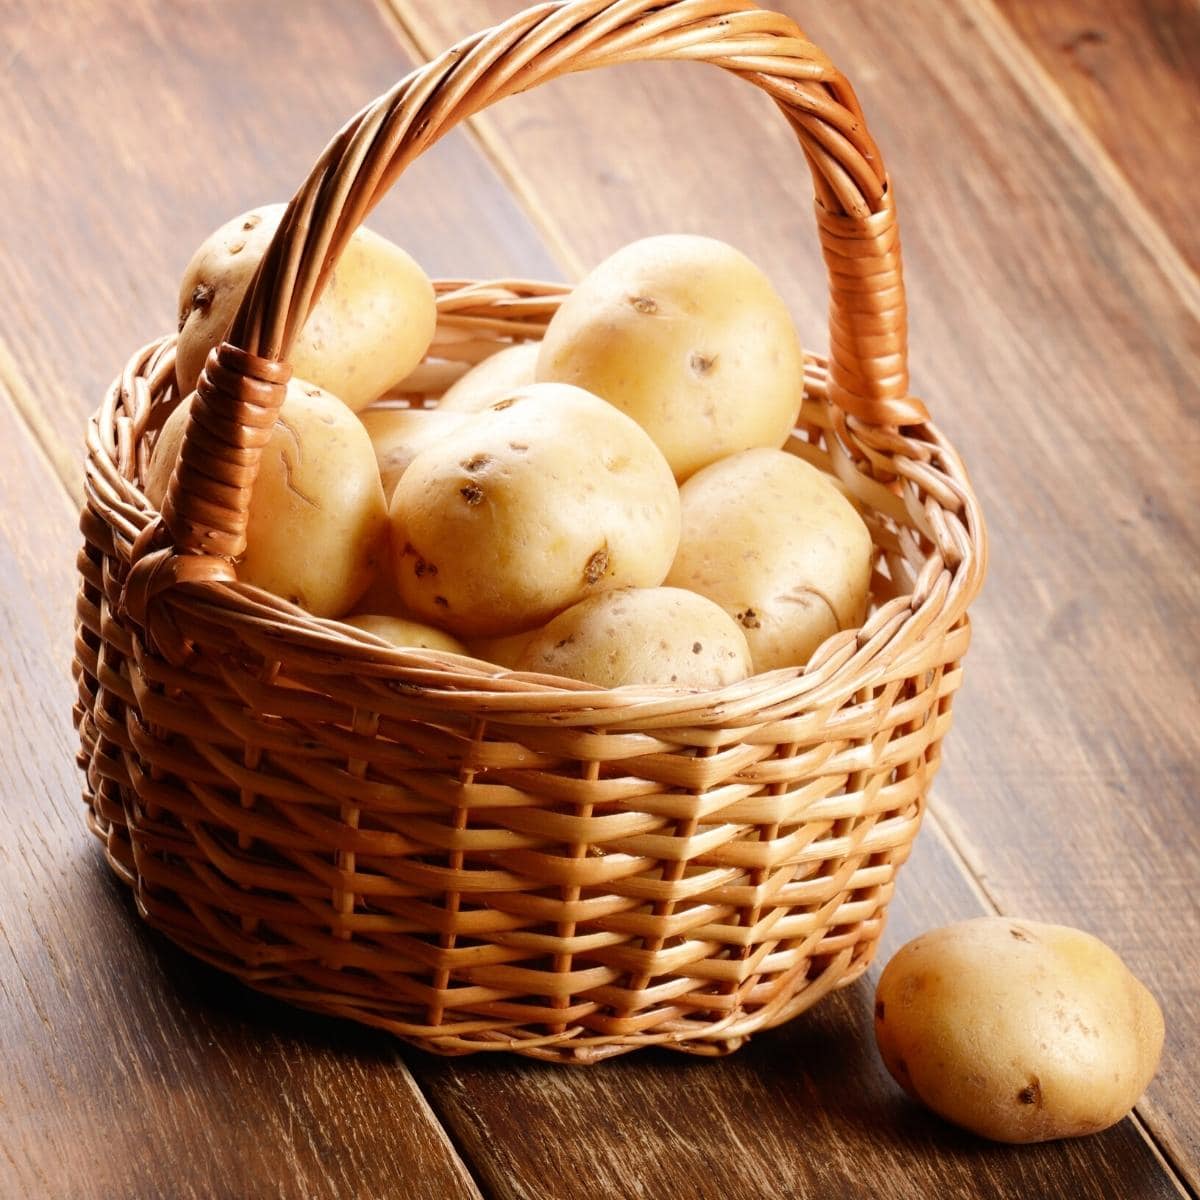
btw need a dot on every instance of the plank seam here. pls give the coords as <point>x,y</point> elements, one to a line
<point>64,466</point>
<point>470,1171</point>
<point>975,878</point>
<point>1047,97</point>
<point>466,1168</point>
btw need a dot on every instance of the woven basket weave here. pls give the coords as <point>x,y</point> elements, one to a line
<point>468,857</point>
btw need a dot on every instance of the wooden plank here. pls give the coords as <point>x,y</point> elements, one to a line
<point>132,130</point>
<point>1128,68</point>
<point>1060,358</point>
<point>127,1069</point>
<point>805,1111</point>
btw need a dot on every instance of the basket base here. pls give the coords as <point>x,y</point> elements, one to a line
<point>574,1045</point>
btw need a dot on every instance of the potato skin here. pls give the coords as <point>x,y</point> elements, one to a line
<point>772,541</point>
<point>402,632</point>
<point>372,326</point>
<point>399,434</point>
<point>318,519</point>
<point>1016,1030</point>
<point>659,637</point>
<point>549,496</point>
<point>492,379</point>
<point>687,336</point>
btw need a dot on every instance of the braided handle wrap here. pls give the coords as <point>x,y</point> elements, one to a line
<point>244,382</point>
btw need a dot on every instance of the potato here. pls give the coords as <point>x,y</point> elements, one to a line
<point>397,435</point>
<point>490,380</point>
<point>1019,1031</point>
<point>654,636</point>
<point>549,496</point>
<point>687,336</point>
<point>318,518</point>
<point>775,543</point>
<point>400,632</point>
<point>372,326</point>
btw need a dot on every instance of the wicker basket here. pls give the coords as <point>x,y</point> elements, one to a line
<point>468,857</point>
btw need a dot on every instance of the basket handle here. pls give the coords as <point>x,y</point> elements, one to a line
<point>244,381</point>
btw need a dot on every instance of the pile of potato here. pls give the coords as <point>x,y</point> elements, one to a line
<point>612,505</point>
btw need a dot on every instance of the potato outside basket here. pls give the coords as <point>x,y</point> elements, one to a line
<point>480,860</point>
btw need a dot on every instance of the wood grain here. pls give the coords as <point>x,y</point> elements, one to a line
<point>126,1069</point>
<point>132,130</point>
<point>1129,70</point>
<point>1059,357</point>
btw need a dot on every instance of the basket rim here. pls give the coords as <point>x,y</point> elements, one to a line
<point>846,662</point>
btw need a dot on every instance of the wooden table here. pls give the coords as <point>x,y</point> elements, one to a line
<point>1045,159</point>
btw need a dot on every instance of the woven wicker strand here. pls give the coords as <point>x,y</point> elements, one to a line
<point>476,859</point>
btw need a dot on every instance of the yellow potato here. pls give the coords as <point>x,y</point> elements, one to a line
<point>400,632</point>
<point>549,496</point>
<point>1019,1031</point>
<point>687,336</point>
<point>654,636</point>
<point>398,434</point>
<point>372,326</point>
<point>318,518</point>
<point>774,542</point>
<point>492,379</point>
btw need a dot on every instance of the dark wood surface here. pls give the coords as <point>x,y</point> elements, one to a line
<point>1054,344</point>
<point>1129,71</point>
